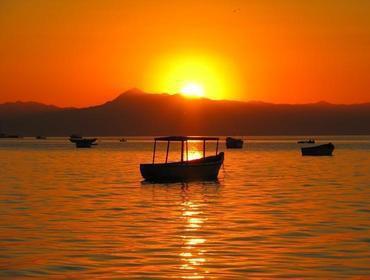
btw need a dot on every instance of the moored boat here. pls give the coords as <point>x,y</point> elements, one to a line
<point>14,136</point>
<point>234,143</point>
<point>320,150</point>
<point>39,137</point>
<point>75,136</point>
<point>83,142</point>
<point>203,169</point>
<point>309,141</point>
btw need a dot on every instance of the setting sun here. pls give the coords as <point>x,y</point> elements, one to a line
<point>193,74</point>
<point>192,90</point>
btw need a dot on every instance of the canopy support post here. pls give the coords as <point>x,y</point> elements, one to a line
<point>204,148</point>
<point>168,148</point>
<point>217,148</point>
<point>155,144</point>
<point>182,151</point>
<point>187,151</point>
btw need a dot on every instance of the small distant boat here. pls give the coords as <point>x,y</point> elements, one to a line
<point>233,143</point>
<point>309,141</point>
<point>3,135</point>
<point>39,137</point>
<point>122,140</point>
<point>321,150</point>
<point>203,169</point>
<point>75,136</point>
<point>83,142</point>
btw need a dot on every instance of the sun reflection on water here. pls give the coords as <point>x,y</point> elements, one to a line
<point>195,150</point>
<point>192,254</point>
<point>195,154</point>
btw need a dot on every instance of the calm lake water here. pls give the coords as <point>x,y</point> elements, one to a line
<point>85,213</point>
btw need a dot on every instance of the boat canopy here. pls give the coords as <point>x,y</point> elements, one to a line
<point>186,138</point>
<point>183,140</point>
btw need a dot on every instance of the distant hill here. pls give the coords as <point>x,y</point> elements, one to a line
<point>16,109</point>
<point>137,113</point>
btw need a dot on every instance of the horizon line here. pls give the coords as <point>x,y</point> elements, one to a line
<point>139,91</point>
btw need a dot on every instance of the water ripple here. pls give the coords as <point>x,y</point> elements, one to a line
<point>272,214</point>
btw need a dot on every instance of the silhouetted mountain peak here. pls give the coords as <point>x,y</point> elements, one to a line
<point>138,95</point>
<point>135,112</point>
<point>322,103</point>
<point>132,91</point>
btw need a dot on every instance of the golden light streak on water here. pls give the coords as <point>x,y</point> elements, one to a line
<point>192,255</point>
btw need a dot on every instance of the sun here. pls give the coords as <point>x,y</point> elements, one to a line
<point>193,74</point>
<point>192,90</point>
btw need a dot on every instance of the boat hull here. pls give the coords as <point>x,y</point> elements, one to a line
<point>206,169</point>
<point>321,150</point>
<point>83,143</point>
<point>232,143</point>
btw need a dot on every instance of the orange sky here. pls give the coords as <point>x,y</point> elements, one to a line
<point>78,53</point>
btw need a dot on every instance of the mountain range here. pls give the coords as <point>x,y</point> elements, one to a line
<point>135,113</point>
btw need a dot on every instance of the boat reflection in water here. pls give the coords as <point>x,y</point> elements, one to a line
<point>201,169</point>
